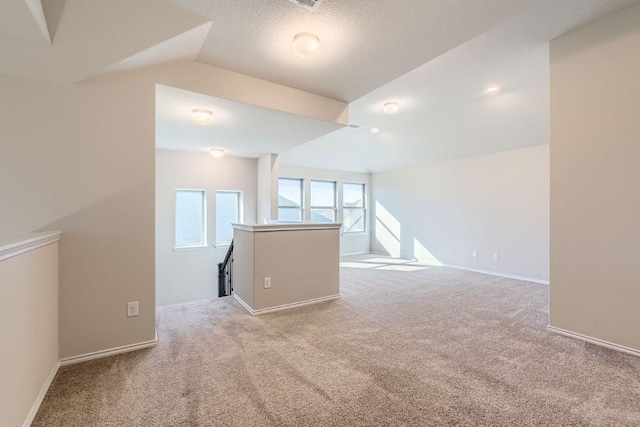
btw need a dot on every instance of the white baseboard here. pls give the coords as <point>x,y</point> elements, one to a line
<point>284,306</point>
<point>242,303</point>
<point>493,273</point>
<point>43,392</point>
<point>78,359</point>
<point>596,341</point>
<point>109,352</point>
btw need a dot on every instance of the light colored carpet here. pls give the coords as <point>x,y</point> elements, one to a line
<point>424,347</point>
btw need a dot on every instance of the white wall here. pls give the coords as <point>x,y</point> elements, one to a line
<point>595,198</point>
<point>443,212</point>
<point>192,275</point>
<point>29,331</point>
<point>267,188</point>
<point>349,243</point>
<point>81,159</point>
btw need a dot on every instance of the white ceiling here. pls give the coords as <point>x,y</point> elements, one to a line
<point>23,21</point>
<point>88,36</point>
<point>444,113</point>
<point>363,43</point>
<point>242,130</point>
<point>434,56</point>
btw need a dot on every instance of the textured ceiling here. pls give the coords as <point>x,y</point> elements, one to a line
<point>434,56</point>
<point>364,43</point>
<point>444,113</point>
<point>242,130</point>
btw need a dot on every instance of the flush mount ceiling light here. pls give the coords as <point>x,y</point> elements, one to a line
<point>391,107</point>
<point>202,116</point>
<point>306,44</point>
<point>216,152</point>
<point>492,89</point>
<point>375,130</point>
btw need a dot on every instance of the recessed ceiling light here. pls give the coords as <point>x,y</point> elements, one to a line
<point>375,130</point>
<point>202,116</point>
<point>217,152</point>
<point>492,89</point>
<point>306,44</point>
<point>391,107</point>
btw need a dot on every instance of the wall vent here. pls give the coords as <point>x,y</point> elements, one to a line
<point>311,5</point>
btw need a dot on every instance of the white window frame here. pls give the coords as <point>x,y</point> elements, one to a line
<point>203,244</point>
<point>335,198</point>
<point>301,208</point>
<point>240,213</point>
<point>363,208</point>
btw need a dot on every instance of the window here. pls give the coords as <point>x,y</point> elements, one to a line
<point>228,211</point>
<point>354,218</point>
<point>323,201</point>
<point>190,218</point>
<point>290,207</point>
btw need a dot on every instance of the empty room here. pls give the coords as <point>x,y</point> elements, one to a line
<point>319,213</point>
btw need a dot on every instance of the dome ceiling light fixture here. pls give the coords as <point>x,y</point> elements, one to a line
<point>391,107</point>
<point>202,116</point>
<point>375,130</point>
<point>216,152</point>
<point>492,90</point>
<point>306,45</point>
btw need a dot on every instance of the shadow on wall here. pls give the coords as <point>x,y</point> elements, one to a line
<point>102,268</point>
<point>391,241</point>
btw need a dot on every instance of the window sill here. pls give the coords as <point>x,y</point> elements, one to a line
<point>222,245</point>
<point>190,248</point>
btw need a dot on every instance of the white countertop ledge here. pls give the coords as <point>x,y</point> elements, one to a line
<point>11,246</point>
<point>288,226</point>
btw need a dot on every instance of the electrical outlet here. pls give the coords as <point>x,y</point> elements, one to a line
<point>132,309</point>
<point>267,282</point>
<point>495,256</point>
<point>474,254</point>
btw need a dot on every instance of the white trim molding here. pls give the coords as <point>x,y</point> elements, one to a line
<point>287,226</point>
<point>10,247</point>
<point>595,341</point>
<point>109,352</point>
<point>493,273</point>
<point>40,398</point>
<point>284,306</point>
<point>242,303</point>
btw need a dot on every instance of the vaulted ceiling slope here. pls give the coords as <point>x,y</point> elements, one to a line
<point>445,113</point>
<point>363,44</point>
<point>242,130</point>
<point>87,36</point>
<point>435,56</point>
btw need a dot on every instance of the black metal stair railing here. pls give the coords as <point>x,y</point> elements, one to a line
<point>225,274</point>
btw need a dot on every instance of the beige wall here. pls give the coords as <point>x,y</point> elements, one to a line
<point>350,244</point>
<point>305,266</point>
<point>595,201</point>
<point>81,159</point>
<point>443,212</point>
<point>192,275</point>
<point>29,330</point>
